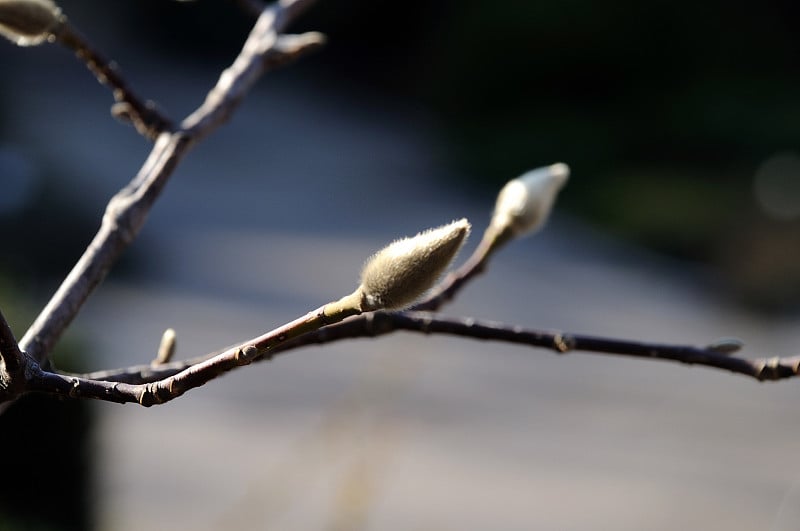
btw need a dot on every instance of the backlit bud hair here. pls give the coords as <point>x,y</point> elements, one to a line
<point>524,203</point>
<point>28,22</point>
<point>400,273</point>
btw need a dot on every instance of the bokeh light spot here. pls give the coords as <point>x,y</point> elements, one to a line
<point>777,186</point>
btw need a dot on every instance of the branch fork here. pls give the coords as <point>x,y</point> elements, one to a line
<point>392,281</point>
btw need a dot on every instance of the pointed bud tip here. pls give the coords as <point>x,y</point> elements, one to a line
<point>28,22</point>
<point>396,276</point>
<point>524,203</point>
<point>559,171</point>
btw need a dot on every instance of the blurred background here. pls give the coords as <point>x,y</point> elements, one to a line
<point>680,223</point>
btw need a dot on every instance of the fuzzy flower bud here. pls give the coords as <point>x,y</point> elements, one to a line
<point>28,22</point>
<point>524,203</point>
<point>400,273</point>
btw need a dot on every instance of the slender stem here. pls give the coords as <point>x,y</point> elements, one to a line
<point>195,375</point>
<point>774,368</point>
<point>124,217</point>
<point>455,281</point>
<point>13,363</point>
<point>380,323</point>
<point>261,50</point>
<point>128,209</point>
<point>12,358</point>
<point>143,115</point>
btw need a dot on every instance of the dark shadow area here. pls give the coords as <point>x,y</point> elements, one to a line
<point>46,444</point>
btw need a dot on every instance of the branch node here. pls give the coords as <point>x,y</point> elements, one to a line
<point>246,355</point>
<point>726,345</point>
<point>563,343</point>
<point>151,394</point>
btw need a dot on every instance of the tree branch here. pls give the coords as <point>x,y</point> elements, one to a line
<point>164,380</point>
<point>774,368</point>
<point>12,362</point>
<point>381,323</point>
<point>11,356</point>
<point>128,209</point>
<point>143,115</point>
<point>261,50</point>
<point>456,280</point>
<point>124,217</point>
<point>191,376</point>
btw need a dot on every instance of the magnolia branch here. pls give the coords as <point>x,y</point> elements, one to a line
<point>128,209</point>
<point>392,280</point>
<point>161,382</point>
<point>382,323</point>
<point>143,115</point>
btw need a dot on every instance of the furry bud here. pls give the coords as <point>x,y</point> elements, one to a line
<point>524,203</point>
<point>28,22</point>
<point>400,273</point>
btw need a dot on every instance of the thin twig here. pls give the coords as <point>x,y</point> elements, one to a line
<point>195,375</point>
<point>774,368</point>
<point>143,115</point>
<point>12,364</point>
<point>261,50</point>
<point>124,217</point>
<point>455,281</point>
<point>128,209</point>
<point>381,323</point>
<point>13,359</point>
<point>440,295</point>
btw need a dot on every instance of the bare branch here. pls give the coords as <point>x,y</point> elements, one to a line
<point>12,364</point>
<point>10,354</point>
<point>391,278</point>
<point>124,217</point>
<point>128,209</point>
<point>261,51</point>
<point>195,375</point>
<point>381,323</point>
<point>143,115</point>
<point>522,208</point>
<point>775,368</point>
<point>455,281</point>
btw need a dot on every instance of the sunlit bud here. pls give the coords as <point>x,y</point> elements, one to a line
<point>401,272</point>
<point>28,22</point>
<point>524,203</point>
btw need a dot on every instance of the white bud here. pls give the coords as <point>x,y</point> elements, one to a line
<point>28,22</point>
<point>524,203</point>
<point>400,273</point>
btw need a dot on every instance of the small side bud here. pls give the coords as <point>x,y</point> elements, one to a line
<point>166,349</point>
<point>524,203</point>
<point>28,22</point>
<point>399,274</point>
<point>726,345</point>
